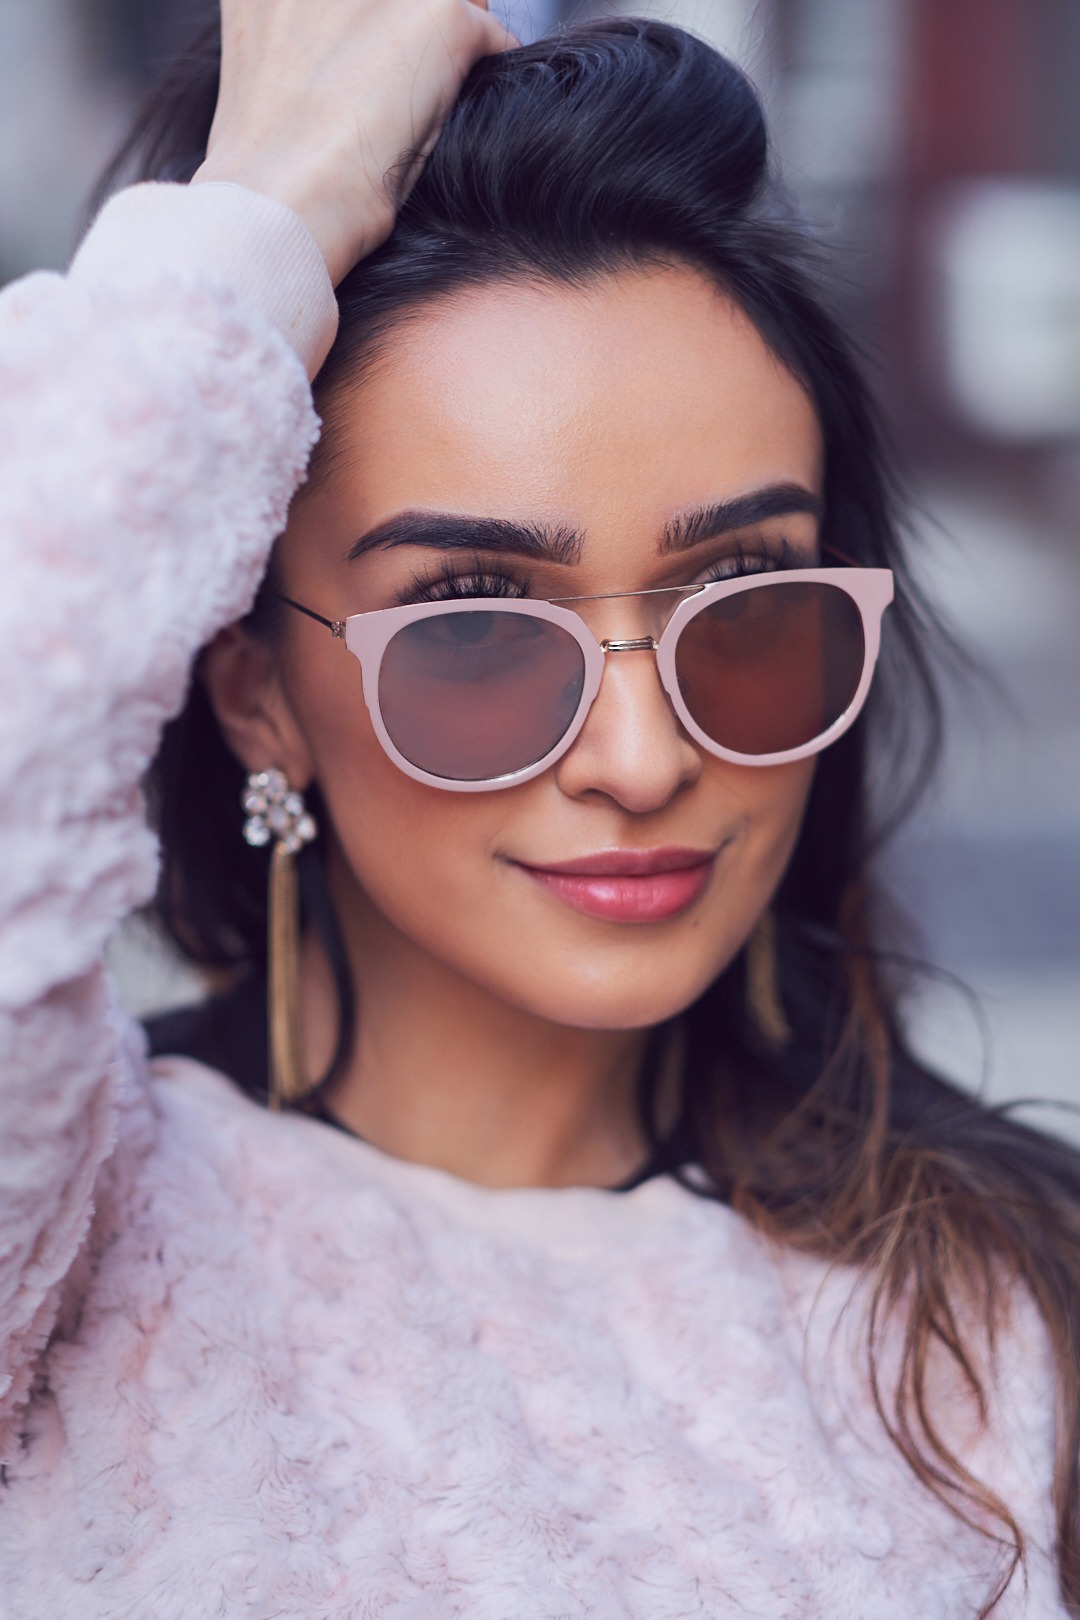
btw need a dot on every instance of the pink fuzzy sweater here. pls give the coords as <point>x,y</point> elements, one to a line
<point>249,1366</point>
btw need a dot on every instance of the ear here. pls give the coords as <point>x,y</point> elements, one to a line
<point>239,672</point>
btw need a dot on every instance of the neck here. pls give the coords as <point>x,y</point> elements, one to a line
<point>446,1073</point>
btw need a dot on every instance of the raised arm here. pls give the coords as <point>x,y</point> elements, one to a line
<point>155,418</point>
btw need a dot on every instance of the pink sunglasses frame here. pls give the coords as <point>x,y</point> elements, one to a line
<point>367,636</point>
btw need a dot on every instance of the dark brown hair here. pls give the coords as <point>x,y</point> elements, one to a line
<point>605,145</point>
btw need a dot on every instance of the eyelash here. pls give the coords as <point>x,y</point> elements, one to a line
<point>450,583</point>
<point>769,557</point>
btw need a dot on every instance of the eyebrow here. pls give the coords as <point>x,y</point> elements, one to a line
<point>689,529</point>
<point>447,531</point>
<point>562,544</point>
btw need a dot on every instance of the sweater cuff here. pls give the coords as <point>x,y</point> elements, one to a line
<point>257,244</point>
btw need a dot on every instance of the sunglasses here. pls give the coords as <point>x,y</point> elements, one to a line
<point>478,693</point>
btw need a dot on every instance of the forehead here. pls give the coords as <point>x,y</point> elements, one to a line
<point>639,393</point>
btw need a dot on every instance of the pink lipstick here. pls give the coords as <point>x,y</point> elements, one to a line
<point>626,885</point>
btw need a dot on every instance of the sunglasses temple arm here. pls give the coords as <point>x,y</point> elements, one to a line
<point>834,551</point>
<point>336,627</point>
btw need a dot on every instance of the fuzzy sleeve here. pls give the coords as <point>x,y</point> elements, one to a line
<point>155,418</point>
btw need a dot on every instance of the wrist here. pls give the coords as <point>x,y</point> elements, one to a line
<point>344,228</point>
<point>228,231</point>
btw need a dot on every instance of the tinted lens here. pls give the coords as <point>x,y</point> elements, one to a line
<point>772,667</point>
<point>471,695</point>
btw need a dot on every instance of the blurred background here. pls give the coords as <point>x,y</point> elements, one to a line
<point>934,147</point>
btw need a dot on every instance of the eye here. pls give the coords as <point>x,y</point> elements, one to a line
<point>478,629</point>
<point>761,555</point>
<point>452,584</point>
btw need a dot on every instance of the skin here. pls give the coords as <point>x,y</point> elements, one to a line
<point>501,1030</point>
<point>331,108</point>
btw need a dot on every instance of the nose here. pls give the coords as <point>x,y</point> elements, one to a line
<point>631,748</point>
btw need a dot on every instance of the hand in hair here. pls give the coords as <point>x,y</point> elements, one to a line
<point>332,107</point>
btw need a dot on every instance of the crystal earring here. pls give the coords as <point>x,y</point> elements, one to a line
<point>276,811</point>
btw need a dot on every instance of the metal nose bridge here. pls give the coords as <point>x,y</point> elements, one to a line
<point>638,643</point>
<point>642,644</point>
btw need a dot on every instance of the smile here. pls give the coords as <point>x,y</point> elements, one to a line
<point>628,885</point>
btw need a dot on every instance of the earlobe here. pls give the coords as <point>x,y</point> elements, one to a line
<point>240,674</point>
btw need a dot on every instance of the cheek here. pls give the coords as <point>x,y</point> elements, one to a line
<point>413,849</point>
<point>772,802</point>
<point>761,811</point>
<point>775,803</point>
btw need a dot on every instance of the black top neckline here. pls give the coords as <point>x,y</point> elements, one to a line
<point>228,1033</point>
<point>664,1157</point>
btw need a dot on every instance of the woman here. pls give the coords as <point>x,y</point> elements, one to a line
<point>603,1251</point>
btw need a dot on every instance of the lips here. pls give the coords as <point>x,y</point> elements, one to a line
<point>623,885</point>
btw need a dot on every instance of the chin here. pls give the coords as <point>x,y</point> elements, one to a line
<point>628,1001</point>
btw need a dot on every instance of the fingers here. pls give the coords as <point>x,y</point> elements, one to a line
<point>497,36</point>
<point>501,38</point>
<point>319,99</point>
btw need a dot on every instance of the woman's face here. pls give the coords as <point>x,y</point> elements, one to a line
<point>602,417</point>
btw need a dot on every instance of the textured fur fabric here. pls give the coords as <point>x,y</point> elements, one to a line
<point>250,1367</point>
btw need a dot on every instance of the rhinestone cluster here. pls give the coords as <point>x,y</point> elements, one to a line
<point>275,810</point>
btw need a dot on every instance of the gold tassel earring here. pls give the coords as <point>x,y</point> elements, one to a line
<point>276,811</point>
<point>763,983</point>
